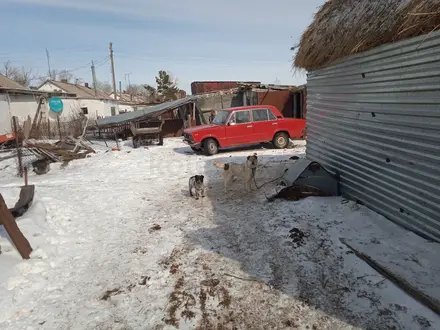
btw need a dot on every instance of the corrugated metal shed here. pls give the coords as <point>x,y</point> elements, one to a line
<point>154,110</point>
<point>375,118</point>
<point>201,87</point>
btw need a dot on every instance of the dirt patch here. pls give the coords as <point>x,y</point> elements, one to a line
<point>174,268</point>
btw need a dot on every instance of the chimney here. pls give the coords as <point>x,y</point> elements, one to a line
<point>86,84</point>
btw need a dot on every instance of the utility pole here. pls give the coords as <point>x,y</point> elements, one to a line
<point>127,81</point>
<point>48,64</point>
<point>113,70</point>
<point>94,78</point>
<point>120,88</point>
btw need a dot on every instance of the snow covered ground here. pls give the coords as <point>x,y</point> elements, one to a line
<point>118,244</point>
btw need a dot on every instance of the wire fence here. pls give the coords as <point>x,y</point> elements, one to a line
<point>35,141</point>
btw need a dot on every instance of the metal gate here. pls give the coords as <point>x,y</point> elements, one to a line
<point>375,118</point>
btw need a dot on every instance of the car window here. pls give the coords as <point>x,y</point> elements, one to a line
<point>259,115</point>
<point>242,117</point>
<point>271,115</point>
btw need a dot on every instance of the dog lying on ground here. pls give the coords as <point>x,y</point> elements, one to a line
<point>244,171</point>
<point>196,185</point>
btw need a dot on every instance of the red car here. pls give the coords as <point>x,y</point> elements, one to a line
<point>244,126</point>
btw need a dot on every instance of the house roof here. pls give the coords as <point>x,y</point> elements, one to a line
<point>7,83</point>
<point>82,92</point>
<point>147,112</point>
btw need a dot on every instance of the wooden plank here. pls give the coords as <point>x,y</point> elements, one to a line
<point>17,237</point>
<point>429,302</point>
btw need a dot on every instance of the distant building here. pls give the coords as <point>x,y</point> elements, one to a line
<point>83,100</point>
<point>128,103</point>
<point>203,87</point>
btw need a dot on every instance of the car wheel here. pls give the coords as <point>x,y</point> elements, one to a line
<point>210,147</point>
<point>281,140</point>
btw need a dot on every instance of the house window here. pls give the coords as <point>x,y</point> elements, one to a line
<point>113,110</point>
<point>85,111</point>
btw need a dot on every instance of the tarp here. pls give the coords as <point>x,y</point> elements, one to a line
<point>145,112</point>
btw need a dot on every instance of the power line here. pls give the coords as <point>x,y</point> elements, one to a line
<point>106,61</point>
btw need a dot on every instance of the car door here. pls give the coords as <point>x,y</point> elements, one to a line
<point>239,129</point>
<point>261,125</point>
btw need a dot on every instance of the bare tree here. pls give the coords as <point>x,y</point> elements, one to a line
<point>21,75</point>
<point>65,75</point>
<point>103,86</point>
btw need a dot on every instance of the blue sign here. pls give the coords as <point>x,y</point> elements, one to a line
<point>56,104</point>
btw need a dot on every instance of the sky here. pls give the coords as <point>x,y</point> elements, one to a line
<point>195,40</point>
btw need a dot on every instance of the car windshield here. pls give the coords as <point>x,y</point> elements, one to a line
<point>221,117</point>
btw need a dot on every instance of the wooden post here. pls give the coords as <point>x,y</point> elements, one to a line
<point>36,117</point>
<point>25,176</point>
<point>17,142</point>
<point>59,126</point>
<point>17,237</point>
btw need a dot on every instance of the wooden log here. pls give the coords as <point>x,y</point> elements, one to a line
<point>17,237</point>
<point>420,296</point>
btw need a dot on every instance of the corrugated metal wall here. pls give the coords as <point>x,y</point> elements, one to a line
<point>375,118</point>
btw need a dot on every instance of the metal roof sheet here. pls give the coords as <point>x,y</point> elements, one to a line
<point>145,112</point>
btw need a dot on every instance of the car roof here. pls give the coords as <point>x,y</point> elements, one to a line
<point>249,107</point>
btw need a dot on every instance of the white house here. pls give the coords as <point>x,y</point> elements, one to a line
<point>22,102</point>
<point>86,100</point>
<point>15,100</point>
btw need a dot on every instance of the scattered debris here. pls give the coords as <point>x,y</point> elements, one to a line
<point>250,279</point>
<point>109,293</point>
<point>62,151</point>
<point>297,237</point>
<point>211,282</point>
<point>300,191</point>
<point>155,227</point>
<point>144,280</point>
<point>140,250</point>
<point>294,158</point>
<point>41,166</point>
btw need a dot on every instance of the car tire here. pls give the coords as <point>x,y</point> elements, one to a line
<point>210,147</point>
<point>280,140</point>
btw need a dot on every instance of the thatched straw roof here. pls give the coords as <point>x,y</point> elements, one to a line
<point>345,27</point>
